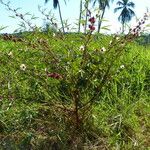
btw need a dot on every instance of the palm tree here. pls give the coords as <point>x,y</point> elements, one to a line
<point>103,4</point>
<point>126,12</point>
<point>55,5</point>
<point>80,15</point>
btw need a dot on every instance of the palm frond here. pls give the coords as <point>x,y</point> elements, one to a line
<point>131,4</point>
<point>132,13</point>
<point>120,3</point>
<point>117,9</point>
<point>46,1</point>
<point>55,3</point>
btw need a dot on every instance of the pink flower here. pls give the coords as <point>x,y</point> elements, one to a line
<point>91,27</point>
<point>92,20</point>
<point>1,98</point>
<point>54,75</point>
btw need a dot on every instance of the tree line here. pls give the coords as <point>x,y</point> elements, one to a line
<point>124,6</point>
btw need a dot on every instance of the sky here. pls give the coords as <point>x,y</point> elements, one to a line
<point>70,12</point>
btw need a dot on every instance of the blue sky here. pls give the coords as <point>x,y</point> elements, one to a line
<point>69,11</point>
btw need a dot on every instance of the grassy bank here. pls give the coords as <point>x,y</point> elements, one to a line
<point>40,76</point>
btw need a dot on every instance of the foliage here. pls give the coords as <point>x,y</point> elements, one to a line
<point>126,11</point>
<point>55,5</point>
<point>144,40</point>
<point>74,91</point>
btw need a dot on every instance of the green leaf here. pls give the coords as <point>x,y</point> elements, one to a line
<point>33,17</point>
<point>105,20</point>
<point>18,8</point>
<point>148,25</point>
<point>12,17</point>
<point>3,27</point>
<point>106,28</point>
<point>27,14</point>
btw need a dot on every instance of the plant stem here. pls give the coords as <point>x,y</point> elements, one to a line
<point>61,18</point>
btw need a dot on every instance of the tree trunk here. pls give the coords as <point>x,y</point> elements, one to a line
<point>101,17</point>
<point>80,15</point>
<point>123,27</point>
<point>86,17</point>
<point>61,18</point>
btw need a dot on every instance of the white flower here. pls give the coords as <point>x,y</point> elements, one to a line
<point>122,66</point>
<point>103,49</point>
<point>10,54</point>
<point>45,69</point>
<point>81,48</point>
<point>110,42</point>
<point>117,38</point>
<point>23,67</point>
<point>54,34</point>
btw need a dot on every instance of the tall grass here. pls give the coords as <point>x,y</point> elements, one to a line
<point>32,117</point>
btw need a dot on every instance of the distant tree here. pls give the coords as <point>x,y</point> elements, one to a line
<point>103,4</point>
<point>126,12</point>
<point>55,5</point>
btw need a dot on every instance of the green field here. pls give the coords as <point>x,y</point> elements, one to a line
<point>74,91</point>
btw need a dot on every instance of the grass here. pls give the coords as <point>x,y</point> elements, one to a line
<point>36,111</point>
